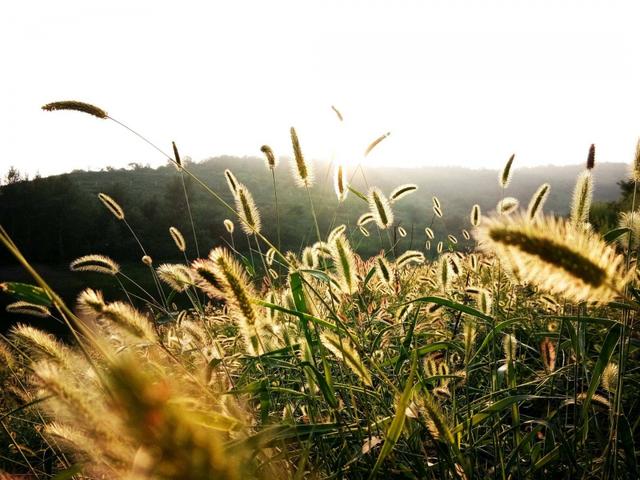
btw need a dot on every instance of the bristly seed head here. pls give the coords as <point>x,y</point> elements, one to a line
<point>272,161</point>
<point>375,143</point>
<point>340,183</point>
<point>247,211</point>
<point>507,206</point>
<point>28,308</point>
<point>556,256</point>
<point>505,175</point>
<point>591,158</point>
<point>582,195</point>
<point>231,181</point>
<point>228,224</point>
<point>76,106</point>
<point>112,206</point>
<point>402,191</point>
<point>380,208</point>
<point>301,169</point>
<point>178,239</point>
<point>476,215</point>
<point>537,201</point>
<point>176,156</point>
<point>94,263</point>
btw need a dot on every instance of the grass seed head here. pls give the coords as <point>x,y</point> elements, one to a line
<point>557,257</point>
<point>340,183</point>
<point>582,196</point>
<point>112,205</point>
<point>95,263</point>
<point>380,208</point>
<point>506,174</point>
<point>247,211</point>
<point>270,158</point>
<point>301,169</point>
<point>537,201</point>
<point>178,239</point>
<point>76,106</point>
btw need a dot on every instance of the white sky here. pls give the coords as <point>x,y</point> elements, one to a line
<point>456,82</point>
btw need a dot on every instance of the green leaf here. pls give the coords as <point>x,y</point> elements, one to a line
<point>327,392</point>
<point>68,473</point>
<point>27,293</point>
<point>626,437</point>
<point>613,235</point>
<point>454,305</point>
<point>358,194</point>
<point>608,346</point>
<point>492,409</point>
<point>395,429</point>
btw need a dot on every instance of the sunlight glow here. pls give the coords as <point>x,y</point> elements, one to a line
<point>458,82</point>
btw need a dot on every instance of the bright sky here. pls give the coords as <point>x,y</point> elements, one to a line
<point>456,82</point>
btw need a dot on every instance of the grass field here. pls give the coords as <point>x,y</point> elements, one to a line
<point>517,358</point>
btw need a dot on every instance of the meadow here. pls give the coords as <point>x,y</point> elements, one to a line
<point>503,348</point>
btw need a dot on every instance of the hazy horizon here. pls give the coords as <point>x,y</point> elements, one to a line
<point>456,83</point>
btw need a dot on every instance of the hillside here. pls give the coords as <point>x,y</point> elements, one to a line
<point>67,209</point>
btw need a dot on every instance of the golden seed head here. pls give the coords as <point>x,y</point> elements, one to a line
<point>429,232</point>
<point>556,256</point>
<point>507,206</point>
<point>90,302</point>
<point>207,278</point>
<point>238,292</point>
<point>402,191</point>
<point>301,169</point>
<point>232,181</point>
<point>130,319</point>
<point>410,256</point>
<point>609,378</point>
<point>147,260</point>
<point>178,239</point>
<point>112,206</point>
<point>76,106</point>
<point>340,183</point>
<point>582,195</point>
<point>364,219</point>
<point>28,308</point>
<point>339,230</point>
<point>247,211</point>
<point>380,208</point>
<point>95,263</point>
<point>537,201</point>
<point>228,224</point>
<point>344,263</point>
<point>179,277</point>
<point>375,143</point>
<point>476,215</point>
<point>510,347</point>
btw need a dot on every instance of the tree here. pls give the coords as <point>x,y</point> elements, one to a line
<point>14,176</point>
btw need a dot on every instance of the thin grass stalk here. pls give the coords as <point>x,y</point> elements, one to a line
<point>275,196</point>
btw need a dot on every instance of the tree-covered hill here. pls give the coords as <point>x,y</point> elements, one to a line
<point>56,219</point>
